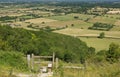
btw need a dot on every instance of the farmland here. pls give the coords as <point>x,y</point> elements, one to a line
<point>82,35</point>
<point>74,24</point>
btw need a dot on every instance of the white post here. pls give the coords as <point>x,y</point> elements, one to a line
<point>53,59</point>
<point>56,63</point>
<point>28,60</point>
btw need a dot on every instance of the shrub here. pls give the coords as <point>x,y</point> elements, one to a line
<point>102,35</point>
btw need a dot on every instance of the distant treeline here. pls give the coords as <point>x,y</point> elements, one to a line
<point>88,4</point>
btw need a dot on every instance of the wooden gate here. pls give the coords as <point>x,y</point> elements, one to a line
<point>33,60</point>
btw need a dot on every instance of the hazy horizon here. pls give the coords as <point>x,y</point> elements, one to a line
<point>57,0</point>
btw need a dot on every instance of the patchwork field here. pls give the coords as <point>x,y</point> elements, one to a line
<point>74,26</point>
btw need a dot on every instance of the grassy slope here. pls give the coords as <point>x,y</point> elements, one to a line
<point>93,70</point>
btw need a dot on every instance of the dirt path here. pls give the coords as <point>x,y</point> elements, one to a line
<point>36,75</point>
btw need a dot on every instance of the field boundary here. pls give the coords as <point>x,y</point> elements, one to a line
<point>109,37</point>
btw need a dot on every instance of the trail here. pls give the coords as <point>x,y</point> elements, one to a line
<point>36,75</point>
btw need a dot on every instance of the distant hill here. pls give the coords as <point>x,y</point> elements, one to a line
<point>58,0</point>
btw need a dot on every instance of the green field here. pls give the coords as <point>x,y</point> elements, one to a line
<point>62,18</point>
<point>82,25</point>
<point>100,44</point>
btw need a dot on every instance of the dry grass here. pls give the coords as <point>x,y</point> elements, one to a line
<point>93,70</point>
<point>113,12</point>
<point>117,23</point>
<point>65,23</point>
<point>84,32</point>
<point>117,27</point>
<point>40,20</point>
<point>103,20</point>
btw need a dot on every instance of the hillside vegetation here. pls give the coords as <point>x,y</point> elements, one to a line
<point>66,47</point>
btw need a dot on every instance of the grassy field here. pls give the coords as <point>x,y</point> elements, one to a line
<point>99,44</point>
<point>84,32</point>
<point>77,24</point>
<point>40,20</point>
<point>71,17</point>
<point>112,15</point>
<point>103,20</point>
<point>62,18</point>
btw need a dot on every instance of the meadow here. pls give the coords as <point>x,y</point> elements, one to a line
<point>99,44</point>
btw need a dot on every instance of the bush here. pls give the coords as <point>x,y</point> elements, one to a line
<point>113,54</point>
<point>102,35</point>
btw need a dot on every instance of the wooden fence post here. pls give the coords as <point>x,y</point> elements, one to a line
<point>53,58</point>
<point>28,60</point>
<point>56,63</point>
<point>32,61</point>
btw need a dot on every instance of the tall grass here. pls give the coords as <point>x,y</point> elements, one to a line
<point>92,70</point>
<point>12,61</point>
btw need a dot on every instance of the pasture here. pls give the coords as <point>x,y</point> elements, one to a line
<point>69,17</point>
<point>85,32</point>
<point>99,44</point>
<point>103,19</point>
<point>75,23</point>
<point>40,20</point>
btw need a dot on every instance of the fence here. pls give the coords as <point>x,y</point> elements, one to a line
<point>34,60</point>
